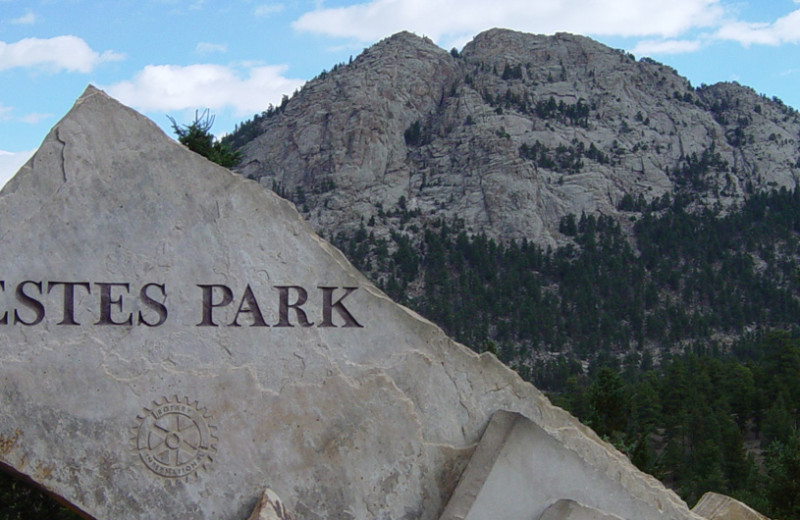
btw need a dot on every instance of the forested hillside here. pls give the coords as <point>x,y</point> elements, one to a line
<point>682,278</point>
<point>704,420</point>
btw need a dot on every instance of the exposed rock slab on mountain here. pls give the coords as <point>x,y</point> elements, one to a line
<point>512,134</point>
<point>176,339</point>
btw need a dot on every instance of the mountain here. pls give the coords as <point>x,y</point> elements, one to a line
<point>511,135</point>
<point>537,195</point>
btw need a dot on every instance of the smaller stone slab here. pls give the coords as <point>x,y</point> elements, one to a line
<point>715,506</point>
<point>519,471</point>
<point>566,509</point>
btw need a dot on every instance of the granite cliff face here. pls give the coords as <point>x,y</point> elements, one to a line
<point>512,134</point>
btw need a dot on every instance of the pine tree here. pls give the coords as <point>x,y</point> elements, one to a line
<point>198,138</point>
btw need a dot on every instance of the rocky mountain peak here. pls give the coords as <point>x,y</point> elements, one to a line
<point>507,45</point>
<point>513,134</point>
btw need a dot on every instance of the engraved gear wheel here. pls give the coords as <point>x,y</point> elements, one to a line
<point>175,439</point>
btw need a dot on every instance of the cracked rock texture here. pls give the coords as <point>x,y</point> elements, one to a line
<point>597,125</point>
<point>161,418</point>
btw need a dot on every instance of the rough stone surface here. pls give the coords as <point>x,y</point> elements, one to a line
<point>714,506</point>
<point>566,509</point>
<point>339,147</point>
<point>520,471</point>
<point>149,420</point>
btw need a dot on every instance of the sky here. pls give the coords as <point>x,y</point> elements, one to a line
<point>173,58</point>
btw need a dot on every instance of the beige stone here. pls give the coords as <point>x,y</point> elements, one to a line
<point>715,506</point>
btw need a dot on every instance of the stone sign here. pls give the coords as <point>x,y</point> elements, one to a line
<point>176,340</point>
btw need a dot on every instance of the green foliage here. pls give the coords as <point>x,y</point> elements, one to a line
<point>688,422</point>
<point>690,276</point>
<point>783,471</point>
<point>608,403</point>
<point>248,130</point>
<point>575,114</point>
<point>512,72</point>
<point>564,159</point>
<point>197,137</point>
<point>414,135</point>
<point>692,170</point>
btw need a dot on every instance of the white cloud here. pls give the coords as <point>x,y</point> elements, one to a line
<point>208,48</point>
<point>454,18</point>
<point>27,19</point>
<point>653,47</point>
<point>10,163</point>
<point>7,114</point>
<point>172,87</point>
<point>34,117</point>
<point>68,53</point>
<point>784,30</point>
<point>268,9</point>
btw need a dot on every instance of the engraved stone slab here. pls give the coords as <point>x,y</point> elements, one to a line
<point>174,339</point>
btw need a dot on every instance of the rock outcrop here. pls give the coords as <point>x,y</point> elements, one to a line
<point>512,134</point>
<point>715,506</point>
<point>176,339</point>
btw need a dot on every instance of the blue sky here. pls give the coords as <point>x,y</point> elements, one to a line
<point>170,57</point>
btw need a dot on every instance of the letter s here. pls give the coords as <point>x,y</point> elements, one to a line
<point>156,306</point>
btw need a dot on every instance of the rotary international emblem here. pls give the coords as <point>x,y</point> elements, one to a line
<point>175,438</point>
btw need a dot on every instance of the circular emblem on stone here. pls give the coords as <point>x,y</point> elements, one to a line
<point>175,438</point>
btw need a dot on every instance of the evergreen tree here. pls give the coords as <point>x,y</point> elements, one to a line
<point>608,403</point>
<point>198,138</point>
<point>783,469</point>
